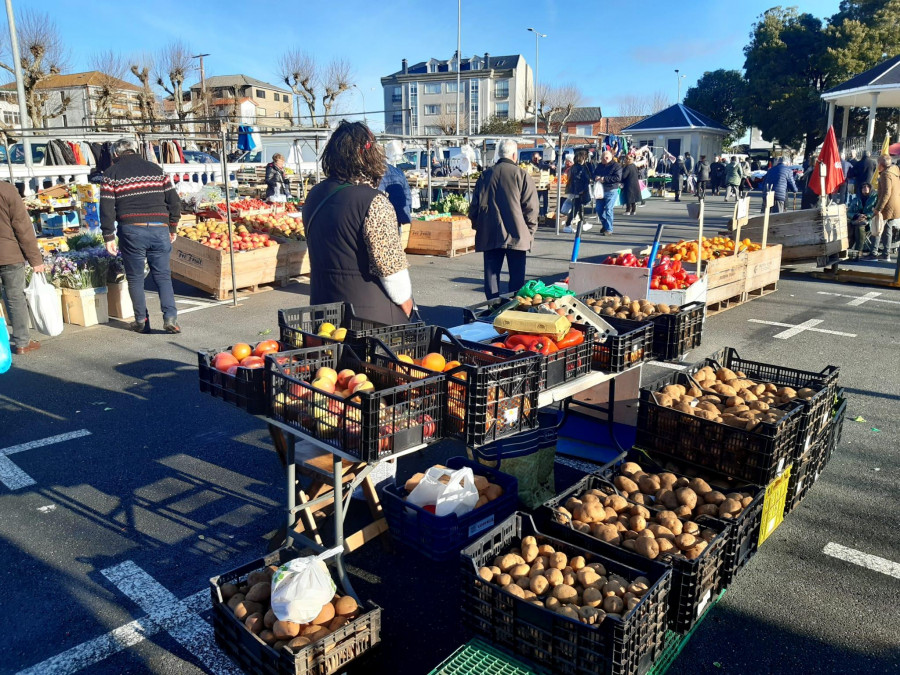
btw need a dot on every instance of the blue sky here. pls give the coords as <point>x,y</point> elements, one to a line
<point>609,49</point>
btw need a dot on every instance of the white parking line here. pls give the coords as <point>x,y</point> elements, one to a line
<point>796,329</point>
<point>11,475</point>
<point>165,613</point>
<point>205,305</point>
<point>857,300</point>
<point>664,364</point>
<point>872,562</point>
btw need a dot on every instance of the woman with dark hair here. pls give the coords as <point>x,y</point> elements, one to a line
<point>355,253</point>
<point>578,190</point>
<point>631,187</point>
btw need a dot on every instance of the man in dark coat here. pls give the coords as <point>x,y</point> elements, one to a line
<point>702,173</point>
<point>779,179</point>
<point>716,175</point>
<point>504,213</point>
<point>609,175</point>
<point>865,169</point>
<point>679,172</point>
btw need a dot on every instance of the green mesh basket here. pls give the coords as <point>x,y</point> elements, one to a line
<point>479,658</point>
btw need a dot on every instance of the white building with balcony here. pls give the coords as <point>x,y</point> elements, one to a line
<point>420,100</point>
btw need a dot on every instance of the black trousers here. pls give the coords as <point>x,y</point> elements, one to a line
<point>493,265</point>
<point>701,189</point>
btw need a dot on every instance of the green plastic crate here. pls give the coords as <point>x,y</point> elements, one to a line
<point>479,658</point>
<point>674,643</point>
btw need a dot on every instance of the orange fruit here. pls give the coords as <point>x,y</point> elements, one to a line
<point>405,358</point>
<point>451,365</point>
<point>266,347</point>
<point>241,351</point>
<point>434,362</point>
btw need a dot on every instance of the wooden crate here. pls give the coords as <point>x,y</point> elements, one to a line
<point>446,237</point>
<point>292,260</point>
<point>210,270</point>
<point>85,306</point>
<point>726,277</point>
<point>763,268</point>
<point>804,235</point>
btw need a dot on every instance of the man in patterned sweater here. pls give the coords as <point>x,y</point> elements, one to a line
<point>138,196</point>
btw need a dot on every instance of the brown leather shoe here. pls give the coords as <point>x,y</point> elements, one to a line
<point>30,347</point>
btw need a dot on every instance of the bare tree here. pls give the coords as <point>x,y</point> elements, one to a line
<point>555,105</point>
<point>173,66</point>
<point>42,55</point>
<point>335,82</point>
<point>298,70</point>
<point>142,68</point>
<point>446,122</point>
<point>634,108</point>
<point>110,95</point>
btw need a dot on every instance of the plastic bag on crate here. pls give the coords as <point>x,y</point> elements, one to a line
<point>44,305</point>
<point>302,586</point>
<point>457,494</point>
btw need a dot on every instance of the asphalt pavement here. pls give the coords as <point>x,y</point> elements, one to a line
<point>123,489</point>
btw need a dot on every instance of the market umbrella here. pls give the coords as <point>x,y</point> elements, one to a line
<point>245,138</point>
<point>831,159</point>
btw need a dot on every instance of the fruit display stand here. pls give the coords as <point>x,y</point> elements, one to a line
<point>209,269</point>
<point>447,237</point>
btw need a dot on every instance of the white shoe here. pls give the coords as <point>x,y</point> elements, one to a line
<point>568,230</point>
<point>586,226</point>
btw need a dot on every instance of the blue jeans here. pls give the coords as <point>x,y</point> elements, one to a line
<point>12,281</point>
<point>605,208</point>
<point>152,244</point>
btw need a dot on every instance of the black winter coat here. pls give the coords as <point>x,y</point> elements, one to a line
<point>702,170</point>
<point>631,188</point>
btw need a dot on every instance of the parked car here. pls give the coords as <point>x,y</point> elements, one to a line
<point>197,157</point>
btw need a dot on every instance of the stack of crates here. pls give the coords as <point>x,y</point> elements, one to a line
<point>89,195</point>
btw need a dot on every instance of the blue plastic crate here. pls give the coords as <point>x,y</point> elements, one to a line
<point>442,538</point>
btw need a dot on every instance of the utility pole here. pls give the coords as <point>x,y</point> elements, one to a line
<point>537,65</point>
<point>678,79</point>
<point>24,120</point>
<point>203,90</point>
<point>458,57</point>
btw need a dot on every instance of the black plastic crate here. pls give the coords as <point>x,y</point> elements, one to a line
<point>299,327</point>
<point>633,345</point>
<point>442,538</point>
<point>625,646</point>
<point>674,335</point>
<point>804,474</point>
<point>743,531</point>
<point>491,395</point>
<point>837,426</point>
<point>695,583</point>
<point>405,410</point>
<point>327,656</point>
<point>817,411</point>
<point>757,456</point>
<point>246,389</point>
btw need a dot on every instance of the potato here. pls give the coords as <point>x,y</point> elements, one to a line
<point>708,510</point>
<point>529,552</point>
<point>729,506</point>
<point>235,600</point>
<point>285,630</point>
<point>746,501</point>
<point>588,577</point>
<point>685,541</point>
<point>227,591</point>
<point>520,571</point>
<point>523,582</point>
<point>683,408</point>
<point>724,390</point>
<point>616,503</point>
<point>516,590</point>
<point>690,527</point>
<point>492,491</point>
<point>269,619</point>
<point>591,615</point>
<point>254,623</point>
<point>245,608</point>
<point>260,592</point>
<point>699,486</point>
<point>787,393</point>
<point>509,561</point>
<point>687,497</point>
<point>592,597</point>
<point>337,623</point>
<point>539,585</point>
<point>666,545</point>
<point>714,497</point>
<point>611,516</point>
<point>625,484</point>
<point>552,603</point>
<point>577,563</point>
<point>558,560</point>
<point>314,633</point>
<point>554,576</point>
<point>637,588</point>
<point>258,577</point>
<point>564,593</point>
<point>613,604</point>
<point>667,498</point>
<point>325,615</point>
<point>647,547</point>
<point>684,511</point>
<point>298,643</point>
<point>724,374</point>
<point>503,580</point>
<point>592,512</point>
<point>649,484</point>
<point>637,523</point>
<point>546,549</point>
<point>694,552</point>
<point>628,469</point>
<point>673,525</point>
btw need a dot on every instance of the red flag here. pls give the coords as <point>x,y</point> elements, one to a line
<point>831,158</point>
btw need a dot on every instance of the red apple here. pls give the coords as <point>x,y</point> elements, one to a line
<point>344,377</point>
<point>329,373</point>
<point>363,386</point>
<point>324,384</point>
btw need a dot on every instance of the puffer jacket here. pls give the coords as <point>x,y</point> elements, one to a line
<point>889,193</point>
<point>733,173</point>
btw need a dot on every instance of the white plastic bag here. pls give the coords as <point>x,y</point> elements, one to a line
<point>457,495</point>
<point>301,587</point>
<point>597,190</point>
<point>46,309</point>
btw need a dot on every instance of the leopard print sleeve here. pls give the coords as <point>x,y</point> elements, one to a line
<point>382,238</point>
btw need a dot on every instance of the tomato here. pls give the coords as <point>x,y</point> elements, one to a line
<point>241,351</point>
<point>224,361</point>
<point>266,347</point>
<point>253,362</point>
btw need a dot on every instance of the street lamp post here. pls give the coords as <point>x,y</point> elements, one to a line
<point>458,57</point>
<point>678,79</point>
<point>537,65</point>
<point>363,97</point>
<point>203,88</point>
<point>24,120</point>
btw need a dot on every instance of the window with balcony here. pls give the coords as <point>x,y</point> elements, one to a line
<point>432,87</point>
<point>501,89</point>
<point>501,110</point>
<point>432,109</point>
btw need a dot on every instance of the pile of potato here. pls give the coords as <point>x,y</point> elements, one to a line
<point>685,497</point>
<point>487,491</point>
<point>614,520</point>
<point>730,398</point>
<point>572,587</point>
<point>626,308</point>
<point>249,600</point>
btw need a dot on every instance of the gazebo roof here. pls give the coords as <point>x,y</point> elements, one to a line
<point>883,79</point>
<point>678,117</point>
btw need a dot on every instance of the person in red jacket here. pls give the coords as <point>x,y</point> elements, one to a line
<point>17,244</point>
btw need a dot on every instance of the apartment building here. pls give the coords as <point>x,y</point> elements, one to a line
<point>245,100</point>
<point>84,93</point>
<point>421,99</point>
